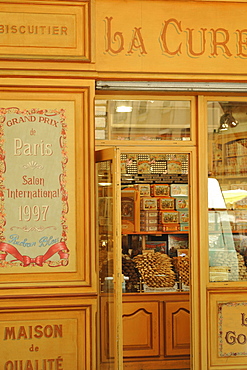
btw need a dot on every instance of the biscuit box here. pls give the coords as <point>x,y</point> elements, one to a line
<point>146,215</point>
<point>182,203</point>
<point>169,227</point>
<point>149,222</point>
<point>149,203</point>
<point>166,203</point>
<point>149,228</point>
<point>168,217</point>
<point>184,226</point>
<point>157,246</point>
<point>159,190</point>
<point>183,216</point>
<point>143,167</point>
<point>174,167</point>
<point>179,189</point>
<point>144,189</point>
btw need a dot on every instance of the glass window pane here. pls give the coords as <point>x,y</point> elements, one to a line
<point>142,119</point>
<point>227,159</point>
<point>155,222</point>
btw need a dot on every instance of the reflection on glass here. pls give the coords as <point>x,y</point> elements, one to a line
<point>227,134</point>
<point>142,120</point>
<point>105,225</point>
<point>106,261</point>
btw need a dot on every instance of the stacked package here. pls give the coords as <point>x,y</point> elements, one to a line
<point>163,207</point>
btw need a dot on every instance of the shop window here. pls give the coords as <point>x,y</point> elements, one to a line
<point>142,119</point>
<point>227,133</point>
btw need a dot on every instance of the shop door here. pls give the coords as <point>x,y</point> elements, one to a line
<point>108,216</point>
<point>155,228</point>
<point>144,259</point>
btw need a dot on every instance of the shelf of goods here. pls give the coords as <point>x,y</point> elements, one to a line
<point>155,221</point>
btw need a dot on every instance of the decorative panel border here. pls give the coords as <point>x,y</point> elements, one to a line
<point>47,172</point>
<point>48,31</point>
<point>47,335</point>
<point>228,329</point>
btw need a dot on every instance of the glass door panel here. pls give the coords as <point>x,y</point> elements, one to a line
<point>143,238</point>
<point>155,222</point>
<point>108,261</point>
<point>227,138</point>
<point>155,213</point>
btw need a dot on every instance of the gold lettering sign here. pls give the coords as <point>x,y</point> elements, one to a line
<point>232,329</point>
<point>171,37</point>
<point>40,31</point>
<point>40,344</point>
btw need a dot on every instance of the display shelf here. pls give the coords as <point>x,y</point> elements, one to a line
<point>155,233</point>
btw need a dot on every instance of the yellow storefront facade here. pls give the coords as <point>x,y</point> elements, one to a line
<point>123,185</point>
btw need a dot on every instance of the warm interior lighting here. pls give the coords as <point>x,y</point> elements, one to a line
<point>124,109</point>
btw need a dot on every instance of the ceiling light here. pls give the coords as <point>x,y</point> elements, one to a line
<point>227,120</point>
<point>124,109</point>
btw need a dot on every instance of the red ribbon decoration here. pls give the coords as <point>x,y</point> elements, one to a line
<point>59,248</point>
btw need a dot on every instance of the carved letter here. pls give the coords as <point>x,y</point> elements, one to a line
<point>164,36</point>
<point>137,41</point>
<point>242,44</point>
<point>223,43</point>
<point>190,42</point>
<point>117,35</point>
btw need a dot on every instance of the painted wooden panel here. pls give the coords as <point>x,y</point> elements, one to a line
<point>140,329</point>
<point>53,31</point>
<point>53,120</point>
<point>177,328</point>
<point>227,329</point>
<point>48,333</point>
